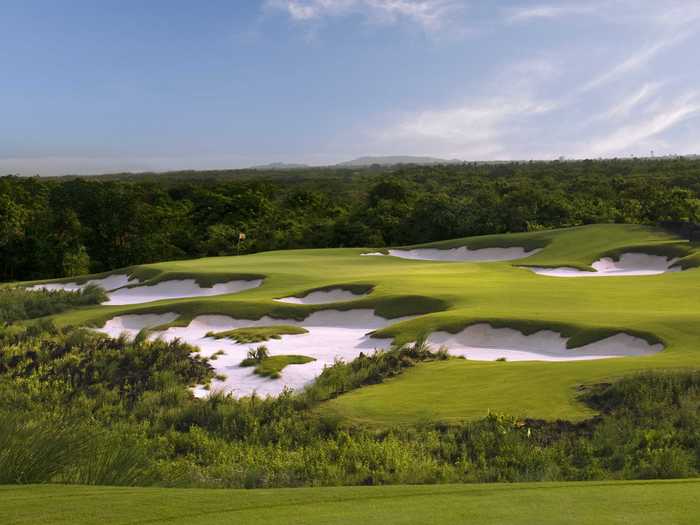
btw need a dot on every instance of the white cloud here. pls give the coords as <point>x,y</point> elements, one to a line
<point>430,14</point>
<point>515,118</point>
<point>624,107</point>
<point>637,134</point>
<point>635,61</point>
<point>667,14</point>
<point>525,14</point>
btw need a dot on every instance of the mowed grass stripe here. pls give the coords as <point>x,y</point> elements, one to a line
<point>673,502</point>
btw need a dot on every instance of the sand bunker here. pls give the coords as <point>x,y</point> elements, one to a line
<point>111,282</point>
<point>464,254</point>
<point>482,342</point>
<point>335,295</point>
<point>629,264</point>
<point>176,289</point>
<point>332,335</point>
<point>133,324</point>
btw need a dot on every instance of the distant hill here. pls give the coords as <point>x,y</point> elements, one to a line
<point>279,166</point>
<point>392,160</point>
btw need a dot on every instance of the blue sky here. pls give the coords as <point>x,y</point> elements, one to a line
<point>90,87</point>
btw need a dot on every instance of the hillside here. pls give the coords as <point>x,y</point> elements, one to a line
<point>442,296</point>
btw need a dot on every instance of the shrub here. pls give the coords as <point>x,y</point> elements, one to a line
<point>256,356</point>
<point>18,304</point>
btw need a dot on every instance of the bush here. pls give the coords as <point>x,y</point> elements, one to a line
<point>18,304</point>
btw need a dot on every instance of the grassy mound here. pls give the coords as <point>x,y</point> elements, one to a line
<point>258,334</point>
<point>272,366</point>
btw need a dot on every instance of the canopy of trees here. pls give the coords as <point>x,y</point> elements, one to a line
<point>69,226</point>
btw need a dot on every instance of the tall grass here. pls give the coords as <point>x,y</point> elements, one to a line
<point>35,448</point>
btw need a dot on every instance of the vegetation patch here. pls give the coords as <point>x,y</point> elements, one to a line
<point>258,334</point>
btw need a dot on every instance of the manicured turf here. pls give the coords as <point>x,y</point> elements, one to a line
<point>453,295</point>
<point>629,502</point>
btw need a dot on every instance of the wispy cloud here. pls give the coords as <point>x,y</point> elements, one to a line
<point>429,14</point>
<point>636,60</point>
<point>524,14</point>
<point>520,114</point>
<point>638,133</point>
<point>624,107</point>
<point>667,15</point>
<point>482,126</point>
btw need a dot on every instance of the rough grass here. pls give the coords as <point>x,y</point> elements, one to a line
<point>453,295</point>
<point>585,503</point>
<point>258,334</point>
<point>272,366</point>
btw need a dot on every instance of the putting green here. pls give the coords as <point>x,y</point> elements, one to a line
<point>636,502</point>
<point>452,295</point>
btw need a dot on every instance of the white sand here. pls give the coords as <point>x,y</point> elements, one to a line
<point>111,282</point>
<point>481,342</point>
<point>464,254</point>
<point>176,289</point>
<point>335,295</point>
<point>331,334</point>
<point>629,264</point>
<point>373,254</point>
<point>133,324</point>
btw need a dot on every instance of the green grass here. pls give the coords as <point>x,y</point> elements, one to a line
<point>594,503</point>
<point>272,366</point>
<point>258,334</point>
<point>452,295</point>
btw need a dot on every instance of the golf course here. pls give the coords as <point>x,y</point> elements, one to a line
<point>401,299</point>
<point>297,262</point>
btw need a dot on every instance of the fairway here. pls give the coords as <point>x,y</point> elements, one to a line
<point>638,502</point>
<point>449,296</point>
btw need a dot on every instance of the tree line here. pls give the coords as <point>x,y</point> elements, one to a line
<point>74,225</point>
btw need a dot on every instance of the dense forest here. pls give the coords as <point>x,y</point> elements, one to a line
<point>55,227</point>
